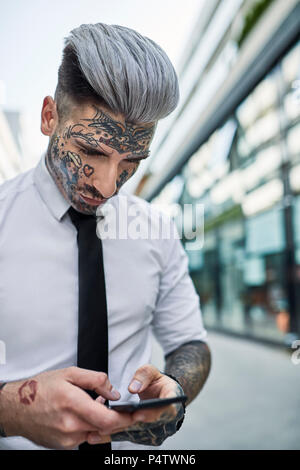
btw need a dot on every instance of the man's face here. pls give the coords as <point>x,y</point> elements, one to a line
<point>93,153</point>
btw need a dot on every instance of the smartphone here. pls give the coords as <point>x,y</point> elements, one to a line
<point>130,407</point>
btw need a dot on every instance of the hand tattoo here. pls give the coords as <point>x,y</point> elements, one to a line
<point>153,434</point>
<point>27,392</point>
<point>190,364</point>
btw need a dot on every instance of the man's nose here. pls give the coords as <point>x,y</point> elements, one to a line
<point>105,179</point>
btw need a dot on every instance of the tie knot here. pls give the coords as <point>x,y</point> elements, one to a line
<point>80,219</point>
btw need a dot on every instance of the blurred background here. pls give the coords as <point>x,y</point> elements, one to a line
<point>233,145</point>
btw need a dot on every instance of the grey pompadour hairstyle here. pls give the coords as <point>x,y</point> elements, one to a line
<point>130,72</point>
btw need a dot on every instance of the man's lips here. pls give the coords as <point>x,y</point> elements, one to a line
<point>92,202</point>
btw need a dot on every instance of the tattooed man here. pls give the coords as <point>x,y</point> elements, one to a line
<point>114,85</point>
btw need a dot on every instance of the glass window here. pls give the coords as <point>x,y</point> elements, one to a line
<point>293,140</point>
<point>297,220</point>
<point>295,178</point>
<point>265,282</point>
<point>264,233</point>
<point>206,279</point>
<point>292,102</point>
<point>231,245</point>
<point>291,65</point>
<point>258,117</point>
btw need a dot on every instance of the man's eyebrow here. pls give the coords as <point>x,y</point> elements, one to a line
<point>99,150</point>
<point>86,146</point>
<point>138,157</point>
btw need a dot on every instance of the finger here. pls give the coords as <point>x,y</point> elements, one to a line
<point>166,413</point>
<point>100,399</point>
<point>92,380</point>
<point>98,415</point>
<point>95,438</point>
<point>144,376</point>
<point>71,423</point>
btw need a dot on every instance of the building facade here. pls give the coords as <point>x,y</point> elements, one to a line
<point>234,147</point>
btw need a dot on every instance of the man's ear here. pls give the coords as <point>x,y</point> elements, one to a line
<point>49,116</point>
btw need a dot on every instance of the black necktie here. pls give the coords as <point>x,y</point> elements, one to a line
<point>92,351</point>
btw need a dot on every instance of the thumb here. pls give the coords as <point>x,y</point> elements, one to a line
<point>92,380</point>
<point>144,376</point>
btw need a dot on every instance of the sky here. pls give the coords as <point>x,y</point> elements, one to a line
<point>32,34</point>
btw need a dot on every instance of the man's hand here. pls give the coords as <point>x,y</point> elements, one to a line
<point>153,425</point>
<point>190,364</point>
<point>53,410</point>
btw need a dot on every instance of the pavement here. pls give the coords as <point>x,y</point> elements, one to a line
<point>251,400</point>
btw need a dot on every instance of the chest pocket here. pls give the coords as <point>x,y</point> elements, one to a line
<point>132,275</point>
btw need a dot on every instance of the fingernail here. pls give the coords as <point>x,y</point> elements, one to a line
<point>101,400</point>
<point>135,386</point>
<point>95,439</point>
<point>115,393</point>
<point>140,418</point>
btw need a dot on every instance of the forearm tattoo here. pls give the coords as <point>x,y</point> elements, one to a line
<point>153,434</point>
<point>190,364</point>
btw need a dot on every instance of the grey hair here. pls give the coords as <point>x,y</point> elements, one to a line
<point>130,72</point>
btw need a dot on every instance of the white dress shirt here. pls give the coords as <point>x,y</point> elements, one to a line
<point>147,283</point>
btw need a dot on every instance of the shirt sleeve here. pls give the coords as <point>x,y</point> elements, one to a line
<point>177,317</point>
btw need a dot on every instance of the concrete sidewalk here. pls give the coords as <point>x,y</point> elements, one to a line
<point>250,401</point>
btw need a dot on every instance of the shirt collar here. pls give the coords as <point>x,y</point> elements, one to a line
<point>49,191</point>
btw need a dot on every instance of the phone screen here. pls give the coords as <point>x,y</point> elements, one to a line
<point>130,407</point>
